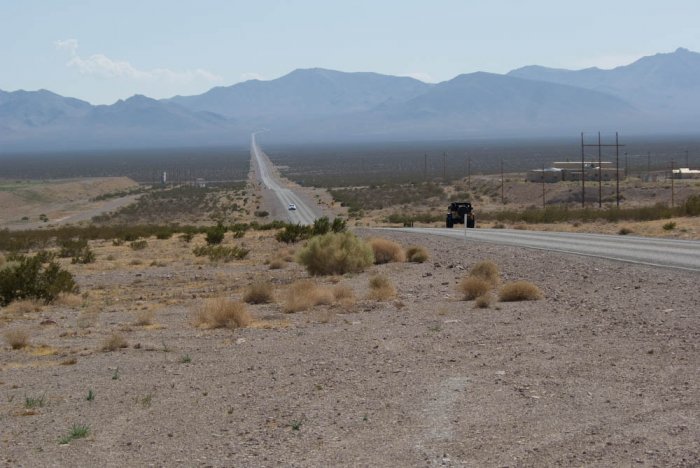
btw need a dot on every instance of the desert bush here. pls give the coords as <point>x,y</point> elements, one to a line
<point>484,301</point>
<point>670,226</point>
<point>380,288</point>
<point>335,253</point>
<point>258,292</point>
<point>24,306</point>
<point>29,277</point>
<point>277,263</point>
<point>17,338</point>
<point>187,237</point>
<point>486,270</point>
<point>474,286</point>
<point>262,214</point>
<point>338,225</point>
<point>138,244</point>
<point>304,294</point>
<point>519,291</point>
<point>222,313</point>
<point>71,247</point>
<point>2,260</point>
<point>293,233</point>
<point>321,226</point>
<point>386,251</point>
<point>114,342</point>
<point>164,234</point>
<point>624,231</point>
<point>221,253</point>
<point>215,235</point>
<point>416,254</point>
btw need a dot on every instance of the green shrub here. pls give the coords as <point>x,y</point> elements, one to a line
<point>139,244</point>
<point>338,225</point>
<point>164,234</point>
<point>293,233</point>
<point>215,235</point>
<point>321,226</point>
<point>670,226</point>
<point>335,253</point>
<point>220,253</point>
<point>31,278</point>
<point>71,247</point>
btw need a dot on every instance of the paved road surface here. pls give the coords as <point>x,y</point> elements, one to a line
<point>672,253</point>
<point>303,214</point>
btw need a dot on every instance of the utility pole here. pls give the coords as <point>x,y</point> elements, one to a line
<point>583,175</point>
<point>600,175</point>
<point>673,198</point>
<point>543,200</point>
<point>444,173</point>
<point>617,170</point>
<point>425,166</point>
<point>469,173</point>
<point>503,200</point>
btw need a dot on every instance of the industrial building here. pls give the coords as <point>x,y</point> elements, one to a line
<point>686,173</point>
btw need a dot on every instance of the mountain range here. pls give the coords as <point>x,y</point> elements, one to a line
<point>655,94</point>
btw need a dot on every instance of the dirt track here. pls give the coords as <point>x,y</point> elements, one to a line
<point>603,372</point>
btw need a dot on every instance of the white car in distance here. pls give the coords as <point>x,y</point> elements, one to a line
<point>292,207</point>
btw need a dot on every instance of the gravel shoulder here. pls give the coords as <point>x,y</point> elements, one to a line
<point>603,371</point>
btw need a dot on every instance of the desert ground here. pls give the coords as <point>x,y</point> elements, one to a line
<point>602,370</point>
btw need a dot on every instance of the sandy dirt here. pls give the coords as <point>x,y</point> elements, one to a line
<point>62,201</point>
<point>601,372</point>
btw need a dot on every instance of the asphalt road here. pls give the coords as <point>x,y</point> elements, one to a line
<point>303,214</point>
<point>671,253</point>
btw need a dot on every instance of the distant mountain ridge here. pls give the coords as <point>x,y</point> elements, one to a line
<point>659,93</point>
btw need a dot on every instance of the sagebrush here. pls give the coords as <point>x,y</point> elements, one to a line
<point>336,253</point>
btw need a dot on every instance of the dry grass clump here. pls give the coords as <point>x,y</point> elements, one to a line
<point>380,288</point>
<point>386,251</point>
<point>474,286</point>
<point>336,253</point>
<point>2,260</point>
<point>114,342</point>
<point>69,300</point>
<point>222,313</point>
<point>277,264</point>
<point>486,270</point>
<point>344,295</point>
<point>305,294</point>
<point>258,292</point>
<point>416,254</point>
<point>17,338</point>
<point>484,301</point>
<point>519,291</point>
<point>144,317</point>
<point>24,306</point>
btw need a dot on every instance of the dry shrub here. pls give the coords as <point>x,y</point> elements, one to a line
<point>484,301</point>
<point>114,342</point>
<point>344,295</point>
<point>17,338</point>
<point>336,253</point>
<point>2,260</point>
<point>277,264</point>
<point>88,317</point>
<point>486,270</point>
<point>258,292</point>
<point>386,251</point>
<point>380,288</point>
<point>24,306</point>
<point>69,300</point>
<point>303,295</point>
<point>519,291</point>
<point>474,286</point>
<point>416,254</point>
<point>144,317</point>
<point>222,313</point>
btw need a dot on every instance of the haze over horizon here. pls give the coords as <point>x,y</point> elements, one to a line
<point>101,52</point>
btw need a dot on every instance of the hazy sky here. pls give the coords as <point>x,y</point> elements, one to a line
<point>104,50</point>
